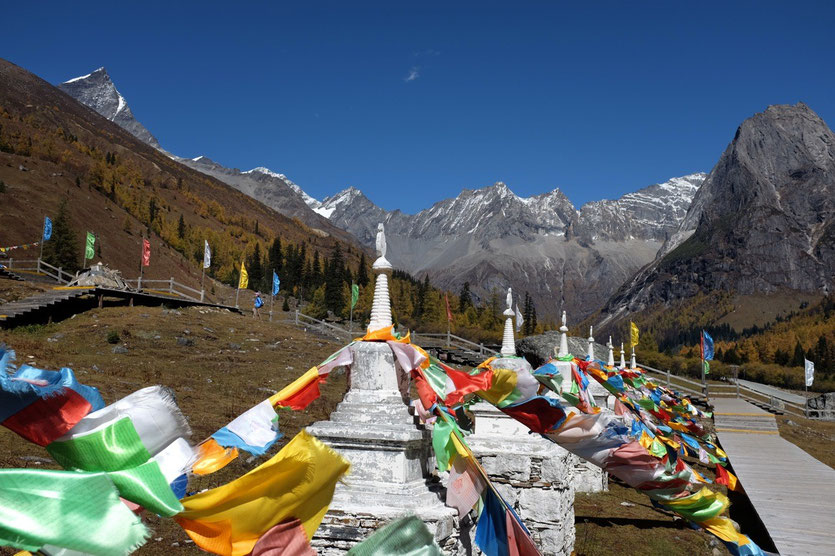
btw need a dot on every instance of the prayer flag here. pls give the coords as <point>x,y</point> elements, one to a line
<point>42,405</point>
<point>77,511</point>
<point>276,284</point>
<point>809,369</point>
<point>255,431</point>
<point>89,249</point>
<point>146,252</point>
<point>464,486</point>
<point>355,295</point>
<point>707,346</point>
<point>285,538</point>
<point>407,535</point>
<point>519,319</point>
<point>448,310</point>
<point>243,282</point>
<point>633,334</point>
<point>121,440</point>
<point>298,482</point>
<point>207,254</point>
<point>47,228</point>
<point>491,530</point>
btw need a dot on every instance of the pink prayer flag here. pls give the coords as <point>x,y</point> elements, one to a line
<point>465,486</point>
<point>519,541</point>
<point>407,355</point>
<point>285,538</point>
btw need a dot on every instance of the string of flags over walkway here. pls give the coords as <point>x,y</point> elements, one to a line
<point>136,453</point>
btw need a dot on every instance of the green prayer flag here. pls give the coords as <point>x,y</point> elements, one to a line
<point>67,509</point>
<point>442,433</point>
<point>118,450</point>
<point>355,295</point>
<point>408,536</point>
<point>707,367</point>
<point>89,250</point>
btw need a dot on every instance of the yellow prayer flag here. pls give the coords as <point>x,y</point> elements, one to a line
<point>298,482</point>
<point>244,281</point>
<point>633,332</point>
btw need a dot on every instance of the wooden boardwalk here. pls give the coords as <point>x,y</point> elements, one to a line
<point>792,492</point>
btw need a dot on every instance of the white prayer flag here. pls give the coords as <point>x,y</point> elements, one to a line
<point>519,319</point>
<point>207,255</point>
<point>810,372</point>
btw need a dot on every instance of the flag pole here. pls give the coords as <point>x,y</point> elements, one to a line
<point>40,256</point>
<point>237,292</point>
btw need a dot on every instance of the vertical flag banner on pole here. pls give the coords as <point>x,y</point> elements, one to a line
<point>707,351</point>
<point>276,286</point>
<point>207,260</point>
<point>207,255</point>
<point>47,233</point>
<point>47,228</point>
<point>809,369</point>
<point>448,317</point>
<point>633,334</point>
<point>355,295</point>
<point>519,319</point>
<point>89,248</point>
<point>146,252</point>
<point>243,282</point>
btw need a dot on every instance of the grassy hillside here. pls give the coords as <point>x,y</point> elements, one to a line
<point>53,149</point>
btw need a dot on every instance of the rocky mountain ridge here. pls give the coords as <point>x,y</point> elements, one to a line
<point>762,222</point>
<point>97,91</point>
<point>490,237</point>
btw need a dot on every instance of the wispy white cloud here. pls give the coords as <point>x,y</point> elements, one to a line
<point>414,73</point>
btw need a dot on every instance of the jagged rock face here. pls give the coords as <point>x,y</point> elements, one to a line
<point>98,92</point>
<point>566,259</point>
<point>764,220</point>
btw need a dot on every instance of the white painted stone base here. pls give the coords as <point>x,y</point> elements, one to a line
<point>533,475</point>
<point>391,460</point>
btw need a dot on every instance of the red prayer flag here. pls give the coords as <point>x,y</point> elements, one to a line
<point>146,252</point>
<point>49,418</point>
<point>448,310</point>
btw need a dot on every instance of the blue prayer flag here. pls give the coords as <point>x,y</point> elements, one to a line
<point>47,228</point>
<point>707,346</point>
<point>276,284</point>
<point>491,529</point>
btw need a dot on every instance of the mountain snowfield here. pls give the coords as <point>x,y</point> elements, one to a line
<point>567,258</point>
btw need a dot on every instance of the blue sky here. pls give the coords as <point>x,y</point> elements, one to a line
<point>411,102</point>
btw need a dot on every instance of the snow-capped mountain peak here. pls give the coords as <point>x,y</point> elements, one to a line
<point>98,92</point>
<point>309,201</point>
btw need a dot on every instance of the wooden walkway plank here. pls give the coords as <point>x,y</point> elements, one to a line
<point>792,492</point>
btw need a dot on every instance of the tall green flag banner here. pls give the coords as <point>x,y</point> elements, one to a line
<point>89,250</point>
<point>355,295</point>
<point>66,509</point>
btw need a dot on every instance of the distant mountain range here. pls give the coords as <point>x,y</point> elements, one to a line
<point>566,258</point>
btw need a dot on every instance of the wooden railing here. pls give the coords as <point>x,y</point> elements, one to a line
<point>169,286</point>
<point>30,265</point>
<point>55,272</point>
<point>457,342</point>
<point>735,389</point>
<point>325,327</point>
